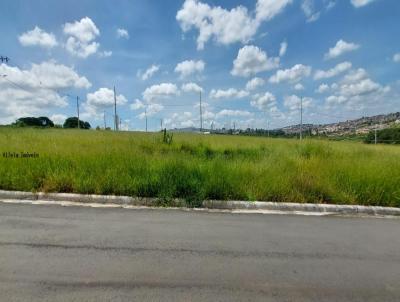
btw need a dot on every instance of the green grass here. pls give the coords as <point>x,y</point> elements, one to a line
<point>196,167</point>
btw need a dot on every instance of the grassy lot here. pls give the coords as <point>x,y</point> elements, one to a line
<point>198,167</point>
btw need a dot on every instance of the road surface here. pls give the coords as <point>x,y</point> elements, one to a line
<point>54,253</point>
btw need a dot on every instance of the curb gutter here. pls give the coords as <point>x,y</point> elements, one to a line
<point>208,204</point>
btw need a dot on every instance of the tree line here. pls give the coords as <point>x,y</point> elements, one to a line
<point>45,122</point>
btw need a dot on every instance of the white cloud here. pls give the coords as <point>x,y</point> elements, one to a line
<point>254,83</point>
<point>58,119</point>
<point>283,48</point>
<point>338,69</point>
<point>105,54</point>
<point>226,26</point>
<point>231,93</point>
<point>298,87</point>
<point>160,91</point>
<point>396,58</point>
<point>356,90</point>
<point>81,38</point>
<point>293,102</point>
<point>122,33</point>
<point>233,113</point>
<point>189,67</point>
<point>323,88</point>
<point>341,48</point>
<point>104,97</point>
<point>308,8</point>
<point>38,37</point>
<point>34,91</point>
<point>151,110</point>
<point>149,72</point>
<point>262,102</point>
<point>138,104</point>
<point>251,60</point>
<point>191,87</point>
<point>268,9</point>
<point>360,3</point>
<point>293,75</point>
<point>331,4</point>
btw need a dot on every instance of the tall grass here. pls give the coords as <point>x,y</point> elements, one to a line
<point>196,167</point>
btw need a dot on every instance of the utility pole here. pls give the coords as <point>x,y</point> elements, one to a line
<point>201,116</point>
<point>376,135</point>
<point>120,124</point>
<point>301,118</point>
<point>105,123</point>
<point>145,114</point>
<point>161,124</point>
<point>77,109</point>
<point>115,112</point>
<point>268,128</point>
<point>234,126</point>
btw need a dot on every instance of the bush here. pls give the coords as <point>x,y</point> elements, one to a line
<point>72,122</point>
<point>385,136</point>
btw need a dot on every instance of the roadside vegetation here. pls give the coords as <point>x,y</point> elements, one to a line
<point>196,167</point>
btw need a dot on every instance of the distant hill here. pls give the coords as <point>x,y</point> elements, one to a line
<point>357,126</point>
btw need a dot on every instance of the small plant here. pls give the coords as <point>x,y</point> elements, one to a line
<point>167,137</point>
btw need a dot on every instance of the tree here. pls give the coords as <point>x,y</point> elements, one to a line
<point>42,121</point>
<point>72,122</point>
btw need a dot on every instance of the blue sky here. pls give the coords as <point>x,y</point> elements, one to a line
<point>253,60</point>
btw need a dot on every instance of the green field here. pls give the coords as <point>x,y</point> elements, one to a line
<point>197,167</point>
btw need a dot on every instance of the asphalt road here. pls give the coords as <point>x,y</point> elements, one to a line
<point>54,253</point>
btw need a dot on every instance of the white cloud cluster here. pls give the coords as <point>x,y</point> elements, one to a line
<point>82,34</point>
<point>355,90</point>
<point>341,48</point>
<point>137,104</point>
<point>262,102</point>
<point>252,60</point>
<point>151,110</point>
<point>177,120</point>
<point>58,119</point>
<point>226,26</point>
<point>160,91</point>
<point>254,83</point>
<point>233,113</point>
<point>122,33</point>
<point>323,88</point>
<point>293,75</point>
<point>34,91</point>
<point>230,93</point>
<point>396,57</point>
<point>38,37</point>
<point>293,102</point>
<point>153,69</point>
<point>360,3</point>
<point>189,67</point>
<point>338,69</point>
<point>104,97</point>
<point>191,87</point>
<point>308,8</point>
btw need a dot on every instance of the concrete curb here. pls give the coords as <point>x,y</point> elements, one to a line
<point>208,204</point>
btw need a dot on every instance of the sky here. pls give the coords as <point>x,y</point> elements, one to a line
<point>252,60</point>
